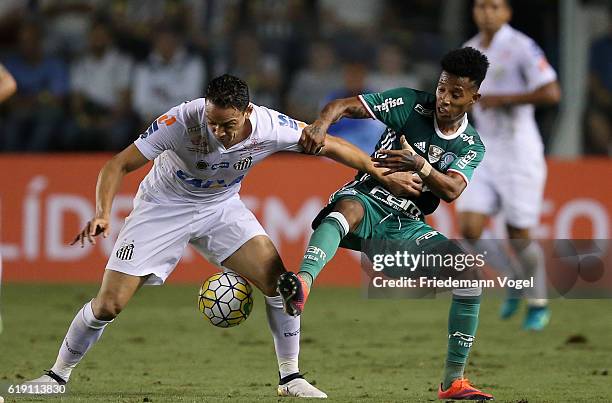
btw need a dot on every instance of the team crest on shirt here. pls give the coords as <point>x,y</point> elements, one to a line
<point>243,163</point>
<point>434,153</point>
<point>201,164</point>
<point>126,251</point>
<point>446,160</point>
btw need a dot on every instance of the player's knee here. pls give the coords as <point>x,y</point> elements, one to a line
<point>352,211</point>
<point>471,230</point>
<point>107,306</point>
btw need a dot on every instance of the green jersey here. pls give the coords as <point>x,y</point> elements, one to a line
<point>410,113</point>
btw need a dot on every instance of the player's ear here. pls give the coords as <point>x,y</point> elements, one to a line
<point>248,111</point>
<point>475,97</point>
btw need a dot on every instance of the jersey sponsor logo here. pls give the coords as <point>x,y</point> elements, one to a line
<point>126,251</point>
<point>469,139</point>
<point>446,160</point>
<point>421,145</point>
<point>434,153</point>
<point>421,110</point>
<point>207,183</point>
<point>244,163</point>
<point>285,120</point>
<point>388,104</point>
<point>466,159</point>
<point>397,203</point>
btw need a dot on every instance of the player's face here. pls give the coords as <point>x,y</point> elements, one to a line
<point>490,15</point>
<point>454,97</point>
<point>227,124</point>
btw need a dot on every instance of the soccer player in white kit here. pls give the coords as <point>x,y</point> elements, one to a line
<point>512,175</point>
<point>202,150</point>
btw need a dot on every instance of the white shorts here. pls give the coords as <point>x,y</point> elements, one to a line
<point>154,236</point>
<point>516,193</point>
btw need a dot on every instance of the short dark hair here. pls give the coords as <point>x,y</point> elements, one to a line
<point>466,62</point>
<point>227,91</point>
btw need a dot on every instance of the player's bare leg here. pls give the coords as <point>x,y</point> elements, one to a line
<point>89,323</point>
<point>531,258</point>
<point>324,242</point>
<point>471,225</point>
<point>259,261</point>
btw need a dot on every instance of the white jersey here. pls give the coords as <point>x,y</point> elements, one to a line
<point>517,65</point>
<point>191,165</point>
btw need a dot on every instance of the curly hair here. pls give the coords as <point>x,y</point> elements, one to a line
<point>227,91</point>
<point>466,62</point>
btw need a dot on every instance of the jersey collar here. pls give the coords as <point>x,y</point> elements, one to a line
<point>460,130</point>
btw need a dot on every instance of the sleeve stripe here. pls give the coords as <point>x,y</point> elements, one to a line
<point>365,105</point>
<point>460,173</point>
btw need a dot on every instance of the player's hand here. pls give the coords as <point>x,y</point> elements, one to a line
<point>92,229</point>
<point>404,184</point>
<point>313,137</point>
<point>493,101</point>
<point>398,161</point>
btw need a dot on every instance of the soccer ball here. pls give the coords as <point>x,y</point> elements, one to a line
<point>226,299</point>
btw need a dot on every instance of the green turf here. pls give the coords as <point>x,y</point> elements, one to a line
<point>161,350</point>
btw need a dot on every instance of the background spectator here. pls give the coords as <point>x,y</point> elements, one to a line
<point>37,110</point>
<point>100,101</point>
<point>168,77</point>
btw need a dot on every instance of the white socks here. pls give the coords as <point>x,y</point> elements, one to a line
<point>533,261</point>
<point>83,332</point>
<point>286,332</point>
<point>86,329</point>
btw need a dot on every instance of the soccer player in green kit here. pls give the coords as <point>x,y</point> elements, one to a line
<point>426,134</point>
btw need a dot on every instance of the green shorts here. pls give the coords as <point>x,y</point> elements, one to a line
<point>385,230</point>
<point>379,222</point>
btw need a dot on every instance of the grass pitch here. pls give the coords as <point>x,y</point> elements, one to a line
<point>160,349</point>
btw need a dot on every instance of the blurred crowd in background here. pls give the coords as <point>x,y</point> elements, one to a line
<point>92,74</point>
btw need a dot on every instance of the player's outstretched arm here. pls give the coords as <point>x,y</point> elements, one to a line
<point>400,184</point>
<point>313,136</point>
<point>446,186</point>
<point>109,180</point>
<point>548,94</point>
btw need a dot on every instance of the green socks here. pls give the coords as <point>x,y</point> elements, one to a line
<point>462,324</point>
<point>322,247</point>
